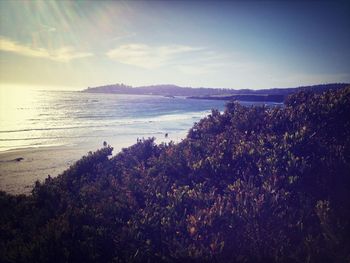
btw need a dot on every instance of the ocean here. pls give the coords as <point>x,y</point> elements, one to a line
<point>69,118</point>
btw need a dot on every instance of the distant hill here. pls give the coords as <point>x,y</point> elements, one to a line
<point>275,94</point>
<point>162,90</point>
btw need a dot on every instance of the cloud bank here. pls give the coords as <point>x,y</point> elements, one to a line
<point>149,57</point>
<point>63,54</point>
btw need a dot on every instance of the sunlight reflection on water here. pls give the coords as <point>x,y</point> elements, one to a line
<point>35,118</point>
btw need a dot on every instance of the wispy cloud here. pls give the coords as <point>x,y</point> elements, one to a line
<point>63,54</point>
<point>149,57</point>
<point>184,59</point>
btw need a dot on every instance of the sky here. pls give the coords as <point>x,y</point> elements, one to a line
<point>219,44</point>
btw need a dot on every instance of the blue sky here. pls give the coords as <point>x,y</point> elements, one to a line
<point>227,44</point>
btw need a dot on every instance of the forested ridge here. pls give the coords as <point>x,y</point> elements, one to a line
<point>173,90</point>
<point>252,184</point>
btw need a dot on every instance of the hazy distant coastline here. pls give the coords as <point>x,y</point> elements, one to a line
<point>264,95</point>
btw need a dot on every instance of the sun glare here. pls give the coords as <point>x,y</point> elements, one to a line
<point>16,106</point>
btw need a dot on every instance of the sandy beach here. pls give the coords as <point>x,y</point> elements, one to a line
<point>19,169</point>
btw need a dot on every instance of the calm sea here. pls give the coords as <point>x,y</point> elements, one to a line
<point>57,118</point>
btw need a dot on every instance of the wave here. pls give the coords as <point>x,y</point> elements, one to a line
<point>117,123</point>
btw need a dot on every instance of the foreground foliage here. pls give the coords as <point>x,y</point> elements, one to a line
<point>253,184</point>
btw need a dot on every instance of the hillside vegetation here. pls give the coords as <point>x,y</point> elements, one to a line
<point>252,184</point>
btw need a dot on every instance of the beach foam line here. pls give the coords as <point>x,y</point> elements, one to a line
<point>116,123</point>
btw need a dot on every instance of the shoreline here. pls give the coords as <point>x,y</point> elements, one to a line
<point>21,167</point>
<point>260,98</point>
